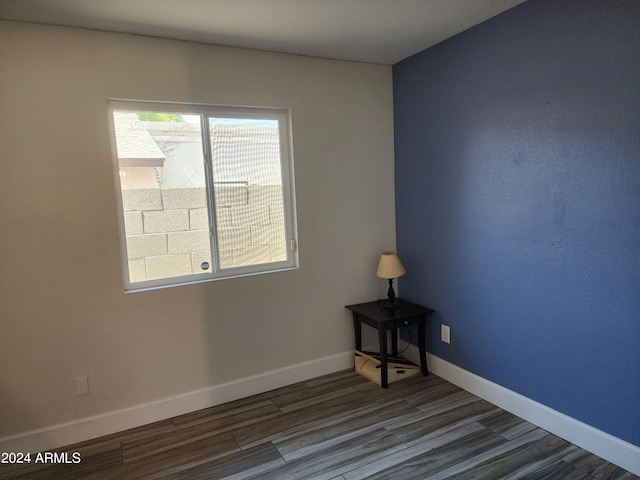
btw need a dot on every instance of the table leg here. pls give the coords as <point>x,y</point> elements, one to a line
<point>382,337</point>
<point>422,345</point>
<point>394,342</point>
<point>357,327</point>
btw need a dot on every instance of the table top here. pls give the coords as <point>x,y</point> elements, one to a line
<point>374,311</point>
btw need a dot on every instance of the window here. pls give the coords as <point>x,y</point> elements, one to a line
<point>205,192</point>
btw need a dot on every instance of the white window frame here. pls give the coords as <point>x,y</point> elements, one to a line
<point>283,116</point>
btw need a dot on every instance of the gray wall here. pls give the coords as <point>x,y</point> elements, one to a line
<point>64,313</point>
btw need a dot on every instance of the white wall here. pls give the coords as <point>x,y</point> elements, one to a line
<point>64,313</point>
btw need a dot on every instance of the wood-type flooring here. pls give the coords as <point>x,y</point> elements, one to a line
<point>337,427</point>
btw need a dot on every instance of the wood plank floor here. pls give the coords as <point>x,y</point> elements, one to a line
<point>337,427</point>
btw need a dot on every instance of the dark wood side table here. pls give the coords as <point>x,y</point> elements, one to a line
<point>383,319</point>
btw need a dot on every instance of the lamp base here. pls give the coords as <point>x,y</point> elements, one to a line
<point>391,302</point>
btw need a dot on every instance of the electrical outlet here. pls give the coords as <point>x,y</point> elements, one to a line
<point>445,333</point>
<point>82,385</point>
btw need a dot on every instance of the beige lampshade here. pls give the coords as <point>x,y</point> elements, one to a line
<point>390,266</point>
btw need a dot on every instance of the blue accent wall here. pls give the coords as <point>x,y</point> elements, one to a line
<point>517,149</point>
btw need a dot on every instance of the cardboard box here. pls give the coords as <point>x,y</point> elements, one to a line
<point>368,366</point>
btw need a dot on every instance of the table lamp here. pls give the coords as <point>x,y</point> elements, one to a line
<point>390,268</point>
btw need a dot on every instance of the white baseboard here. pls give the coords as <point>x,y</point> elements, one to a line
<point>111,422</point>
<point>602,444</point>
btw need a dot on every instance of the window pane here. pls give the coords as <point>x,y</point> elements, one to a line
<point>164,195</point>
<point>247,176</point>
<point>170,180</point>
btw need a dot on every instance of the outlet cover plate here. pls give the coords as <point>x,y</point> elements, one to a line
<point>82,386</point>
<point>445,333</point>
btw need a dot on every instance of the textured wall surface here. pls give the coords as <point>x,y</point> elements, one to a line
<point>518,203</point>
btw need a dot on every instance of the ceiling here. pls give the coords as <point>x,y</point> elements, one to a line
<point>376,31</point>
